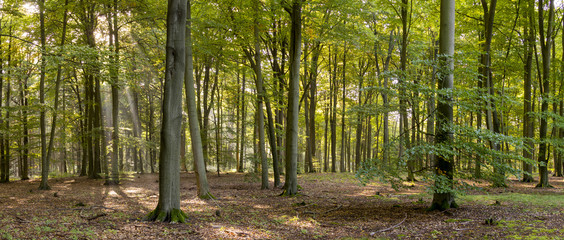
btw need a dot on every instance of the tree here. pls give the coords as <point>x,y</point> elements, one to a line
<point>255,62</point>
<point>528,119</point>
<point>443,197</point>
<point>44,160</point>
<point>191,108</point>
<point>546,46</point>
<point>114,68</point>
<point>168,208</point>
<point>291,185</point>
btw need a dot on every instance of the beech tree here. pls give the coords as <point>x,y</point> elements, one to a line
<point>443,196</point>
<point>191,108</point>
<point>295,10</point>
<point>168,208</point>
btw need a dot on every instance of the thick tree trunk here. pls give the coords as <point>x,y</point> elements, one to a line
<point>168,208</point>
<point>444,163</point>
<point>291,185</point>
<point>546,44</point>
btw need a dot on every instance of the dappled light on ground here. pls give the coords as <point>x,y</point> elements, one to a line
<point>329,206</point>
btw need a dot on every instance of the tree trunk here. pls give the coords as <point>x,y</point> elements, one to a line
<point>24,171</point>
<point>243,125</point>
<point>444,163</point>
<point>168,208</point>
<point>343,138</point>
<point>195,136</point>
<point>44,160</point>
<point>333,113</point>
<point>291,185</point>
<point>404,123</point>
<point>114,177</point>
<point>545,89</point>
<point>528,119</point>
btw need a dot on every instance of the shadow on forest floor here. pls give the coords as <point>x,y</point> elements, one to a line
<point>330,206</point>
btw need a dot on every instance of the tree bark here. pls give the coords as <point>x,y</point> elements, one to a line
<point>546,44</point>
<point>444,168</point>
<point>195,136</point>
<point>291,185</point>
<point>168,208</point>
<point>44,185</point>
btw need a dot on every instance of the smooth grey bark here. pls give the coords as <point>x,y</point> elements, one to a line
<point>291,185</point>
<point>44,185</point>
<point>114,35</point>
<point>57,87</point>
<point>24,170</point>
<point>528,118</point>
<point>195,136</point>
<point>168,208</point>
<point>137,131</point>
<point>243,125</point>
<point>311,141</point>
<point>405,132</point>
<point>343,139</point>
<point>444,167</point>
<point>385,101</point>
<point>2,153</point>
<point>546,45</point>
<point>333,112</point>
<point>255,61</point>
<point>430,137</point>
<point>492,115</point>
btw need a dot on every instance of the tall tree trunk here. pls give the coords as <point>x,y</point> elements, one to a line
<point>404,123</point>
<point>546,45</point>
<point>2,152</point>
<point>255,61</point>
<point>492,116</point>
<point>168,208</point>
<point>291,185</point>
<point>243,125</point>
<point>343,138</point>
<point>24,171</point>
<point>311,140</point>
<point>385,101</point>
<point>195,136</point>
<point>528,118</point>
<point>44,160</point>
<point>114,31</point>
<point>333,113</point>
<point>444,163</point>
<point>430,137</point>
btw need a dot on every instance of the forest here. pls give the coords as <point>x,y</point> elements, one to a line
<point>281,119</point>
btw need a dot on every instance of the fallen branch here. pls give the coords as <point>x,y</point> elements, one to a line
<point>95,216</point>
<point>21,220</point>
<point>86,208</point>
<point>461,229</point>
<point>334,209</point>
<point>390,228</point>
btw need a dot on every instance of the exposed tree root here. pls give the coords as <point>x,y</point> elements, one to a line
<point>390,228</point>
<point>172,216</point>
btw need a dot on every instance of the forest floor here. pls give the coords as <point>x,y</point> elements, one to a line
<point>330,206</point>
